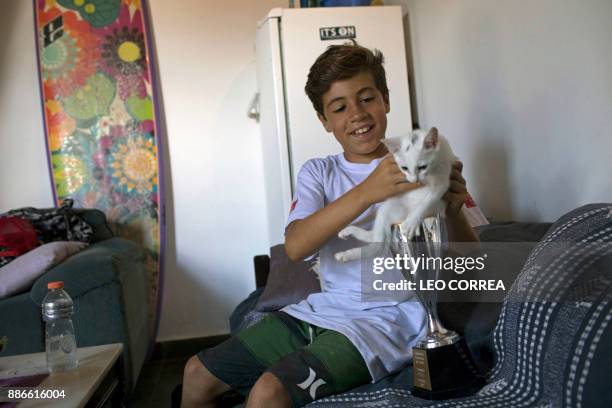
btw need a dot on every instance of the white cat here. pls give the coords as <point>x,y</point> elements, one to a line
<point>423,156</point>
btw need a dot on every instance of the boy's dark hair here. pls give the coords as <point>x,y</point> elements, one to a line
<point>341,62</point>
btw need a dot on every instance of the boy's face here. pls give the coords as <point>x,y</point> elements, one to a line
<point>356,112</point>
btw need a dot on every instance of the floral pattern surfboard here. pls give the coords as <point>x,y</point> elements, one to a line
<point>101,117</point>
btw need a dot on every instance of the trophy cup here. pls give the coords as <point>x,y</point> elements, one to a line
<point>442,363</point>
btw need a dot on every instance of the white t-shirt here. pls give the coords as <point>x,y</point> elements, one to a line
<point>384,332</point>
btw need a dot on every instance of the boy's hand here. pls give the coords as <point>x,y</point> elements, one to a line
<point>385,181</point>
<point>457,191</point>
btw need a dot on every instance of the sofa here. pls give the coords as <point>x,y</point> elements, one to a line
<point>107,283</point>
<point>546,343</point>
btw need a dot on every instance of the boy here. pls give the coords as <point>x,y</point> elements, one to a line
<point>332,341</point>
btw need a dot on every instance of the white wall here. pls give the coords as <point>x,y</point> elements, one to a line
<point>24,178</point>
<point>207,64</point>
<point>216,212</point>
<point>523,89</point>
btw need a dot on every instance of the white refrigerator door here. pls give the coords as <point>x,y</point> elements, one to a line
<point>301,44</point>
<point>273,126</point>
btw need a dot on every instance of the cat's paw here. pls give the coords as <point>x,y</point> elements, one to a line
<point>342,256</point>
<point>346,232</point>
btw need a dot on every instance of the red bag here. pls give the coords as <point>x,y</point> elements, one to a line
<point>17,236</point>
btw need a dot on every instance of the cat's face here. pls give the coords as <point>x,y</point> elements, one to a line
<point>415,153</point>
<point>356,113</point>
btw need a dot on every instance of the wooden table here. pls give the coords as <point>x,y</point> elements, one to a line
<point>94,382</point>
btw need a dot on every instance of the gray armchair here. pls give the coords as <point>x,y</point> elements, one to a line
<point>107,282</point>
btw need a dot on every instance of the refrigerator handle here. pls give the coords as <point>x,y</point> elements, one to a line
<point>253,111</point>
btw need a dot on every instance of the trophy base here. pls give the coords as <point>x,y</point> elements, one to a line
<point>444,372</point>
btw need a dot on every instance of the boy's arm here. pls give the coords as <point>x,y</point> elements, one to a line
<point>304,237</point>
<point>459,229</point>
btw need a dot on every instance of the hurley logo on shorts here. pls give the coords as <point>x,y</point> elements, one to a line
<point>312,383</point>
<point>293,204</point>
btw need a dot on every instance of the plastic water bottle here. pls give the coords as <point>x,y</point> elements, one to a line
<point>60,343</point>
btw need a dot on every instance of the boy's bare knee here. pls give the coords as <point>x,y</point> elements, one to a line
<point>268,391</point>
<point>200,387</point>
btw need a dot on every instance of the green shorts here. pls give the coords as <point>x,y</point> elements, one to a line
<point>311,362</point>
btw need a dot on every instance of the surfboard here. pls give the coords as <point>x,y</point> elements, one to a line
<point>101,116</point>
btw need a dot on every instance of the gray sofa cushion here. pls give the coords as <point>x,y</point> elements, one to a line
<point>512,231</point>
<point>90,268</point>
<point>288,282</point>
<point>21,323</point>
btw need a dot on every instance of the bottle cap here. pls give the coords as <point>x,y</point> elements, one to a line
<point>55,285</point>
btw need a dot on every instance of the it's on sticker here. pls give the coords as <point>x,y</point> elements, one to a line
<point>337,33</point>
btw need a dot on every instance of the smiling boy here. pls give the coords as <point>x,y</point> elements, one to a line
<point>332,341</point>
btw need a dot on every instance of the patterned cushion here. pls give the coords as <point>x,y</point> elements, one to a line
<point>56,224</point>
<point>553,335</point>
<point>553,341</point>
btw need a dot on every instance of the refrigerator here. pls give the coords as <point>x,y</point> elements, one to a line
<point>287,43</point>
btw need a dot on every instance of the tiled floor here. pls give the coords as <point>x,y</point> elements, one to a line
<point>158,379</point>
<point>156,382</point>
<point>160,375</point>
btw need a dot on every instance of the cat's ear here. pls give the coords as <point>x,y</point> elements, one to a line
<point>393,144</point>
<point>431,140</point>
